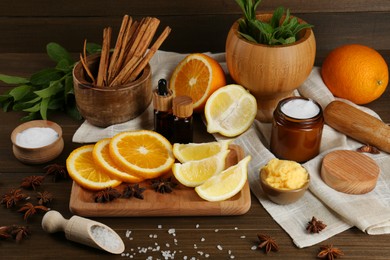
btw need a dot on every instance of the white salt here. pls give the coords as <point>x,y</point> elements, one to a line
<point>300,108</point>
<point>36,137</point>
<point>106,238</point>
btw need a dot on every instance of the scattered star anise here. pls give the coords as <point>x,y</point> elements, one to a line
<point>329,252</point>
<point>32,182</point>
<point>106,195</point>
<point>163,185</point>
<point>58,171</point>
<point>44,198</point>
<point>10,199</point>
<point>315,225</point>
<point>29,209</point>
<point>268,243</point>
<point>368,149</point>
<point>133,191</point>
<point>19,232</point>
<point>4,232</point>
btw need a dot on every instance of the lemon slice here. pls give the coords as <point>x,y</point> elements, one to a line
<point>225,184</point>
<point>194,173</point>
<point>198,151</point>
<point>102,157</point>
<point>230,110</point>
<point>145,153</point>
<point>83,170</point>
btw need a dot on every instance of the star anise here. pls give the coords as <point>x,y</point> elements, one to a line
<point>106,195</point>
<point>268,243</point>
<point>19,232</point>
<point>368,149</point>
<point>32,182</point>
<point>10,199</point>
<point>58,171</point>
<point>29,209</point>
<point>329,252</point>
<point>133,191</point>
<point>163,185</point>
<point>44,198</point>
<point>315,225</point>
<point>4,232</point>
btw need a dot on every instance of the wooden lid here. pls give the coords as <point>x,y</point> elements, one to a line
<point>162,103</point>
<point>182,106</point>
<point>349,172</point>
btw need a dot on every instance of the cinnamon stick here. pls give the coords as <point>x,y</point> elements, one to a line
<point>141,66</point>
<point>84,62</point>
<point>105,54</point>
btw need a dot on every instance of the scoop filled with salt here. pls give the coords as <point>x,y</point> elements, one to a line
<point>84,231</point>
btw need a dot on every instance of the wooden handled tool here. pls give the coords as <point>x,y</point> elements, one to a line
<point>358,125</point>
<point>84,231</point>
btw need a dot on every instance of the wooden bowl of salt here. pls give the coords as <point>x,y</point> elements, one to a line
<point>349,172</point>
<point>37,141</point>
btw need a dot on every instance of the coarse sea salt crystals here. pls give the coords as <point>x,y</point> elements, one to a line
<point>106,238</point>
<point>300,108</point>
<point>35,137</point>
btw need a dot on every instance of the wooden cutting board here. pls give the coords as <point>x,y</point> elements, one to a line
<point>183,201</point>
<point>349,172</point>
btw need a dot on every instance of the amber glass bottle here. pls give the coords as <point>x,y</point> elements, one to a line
<point>297,138</point>
<point>163,116</point>
<point>182,122</point>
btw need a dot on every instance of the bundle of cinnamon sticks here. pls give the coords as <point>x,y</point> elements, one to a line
<point>131,53</point>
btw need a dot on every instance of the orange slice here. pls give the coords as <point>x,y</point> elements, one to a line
<point>102,157</point>
<point>197,76</point>
<point>145,153</point>
<point>83,170</point>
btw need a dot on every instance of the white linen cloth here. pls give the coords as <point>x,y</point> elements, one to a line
<point>369,212</point>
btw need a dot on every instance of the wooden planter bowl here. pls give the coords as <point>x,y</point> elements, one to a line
<point>270,73</point>
<point>105,106</point>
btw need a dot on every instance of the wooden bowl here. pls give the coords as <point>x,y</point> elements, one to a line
<point>105,106</point>
<point>282,196</point>
<point>270,73</point>
<point>41,154</point>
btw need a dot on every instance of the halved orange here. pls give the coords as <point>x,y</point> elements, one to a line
<point>145,153</point>
<point>102,157</point>
<point>83,170</point>
<point>197,76</point>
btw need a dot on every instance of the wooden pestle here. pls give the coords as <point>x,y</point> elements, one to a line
<point>358,125</point>
<point>79,230</point>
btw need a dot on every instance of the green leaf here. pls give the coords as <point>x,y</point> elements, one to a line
<point>51,90</point>
<point>57,53</point>
<point>13,79</point>
<point>30,116</point>
<point>93,48</point>
<point>43,107</point>
<point>18,93</point>
<point>276,17</point>
<point>34,108</point>
<point>45,76</point>
<point>64,65</point>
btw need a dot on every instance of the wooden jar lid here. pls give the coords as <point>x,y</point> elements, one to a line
<point>349,172</point>
<point>162,103</point>
<point>182,106</point>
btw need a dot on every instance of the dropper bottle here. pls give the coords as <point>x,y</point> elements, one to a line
<point>162,103</point>
<point>182,121</point>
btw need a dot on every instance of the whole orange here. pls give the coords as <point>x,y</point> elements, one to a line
<point>197,76</point>
<point>355,72</point>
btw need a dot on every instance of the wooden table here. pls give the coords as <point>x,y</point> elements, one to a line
<point>236,235</point>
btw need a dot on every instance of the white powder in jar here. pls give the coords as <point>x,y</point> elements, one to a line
<point>36,137</point>
<point>300,108</point>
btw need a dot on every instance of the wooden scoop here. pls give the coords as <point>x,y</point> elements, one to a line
<point>84,231</point>
<point>358,125</point>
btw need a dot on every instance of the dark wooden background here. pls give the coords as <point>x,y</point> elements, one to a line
<point>198,26</point>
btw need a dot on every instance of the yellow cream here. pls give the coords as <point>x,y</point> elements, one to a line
<point>284,174</point>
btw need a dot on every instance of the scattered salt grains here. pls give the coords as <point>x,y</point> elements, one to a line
<point>202,239</point>
<point>216,230</point>
<point>219,247</point>
<point>197,226</point>
<point>159,226</point>
<point>106,238</point>
<point>253,247</point>
<point>242,236</point>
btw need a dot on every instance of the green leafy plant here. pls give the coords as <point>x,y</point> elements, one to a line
<point>50,89</point>
<point>281,29</point>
